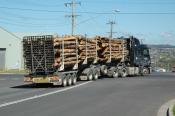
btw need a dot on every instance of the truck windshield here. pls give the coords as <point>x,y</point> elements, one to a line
<point>146,52</point>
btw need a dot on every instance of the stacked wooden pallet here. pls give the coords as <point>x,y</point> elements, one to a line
<point>118,49</point>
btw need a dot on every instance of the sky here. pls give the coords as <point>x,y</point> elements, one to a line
<point>152,21</point>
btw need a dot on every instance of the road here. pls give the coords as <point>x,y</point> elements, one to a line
<point>132,96</point>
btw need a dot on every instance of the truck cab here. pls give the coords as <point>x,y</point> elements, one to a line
<point>138,55</point>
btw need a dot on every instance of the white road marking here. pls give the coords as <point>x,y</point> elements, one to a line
<point>8,79</point>
<point>42,95</point>
<point>15,78</point>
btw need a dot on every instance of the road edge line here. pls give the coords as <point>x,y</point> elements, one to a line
<point>42,95</point>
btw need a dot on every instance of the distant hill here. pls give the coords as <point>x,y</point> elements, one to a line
<point>161,46</point>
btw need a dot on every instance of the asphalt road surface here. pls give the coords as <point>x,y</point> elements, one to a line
<point>131,96</point>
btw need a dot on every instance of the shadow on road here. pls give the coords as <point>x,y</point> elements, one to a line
<point>29,86</point>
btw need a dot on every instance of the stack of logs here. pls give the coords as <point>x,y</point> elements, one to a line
<point>69,52</point>
<point>87,49</point>
<point>91,49</point>
<point>118,48</point>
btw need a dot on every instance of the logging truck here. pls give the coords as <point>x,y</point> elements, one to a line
<point>67,59</point>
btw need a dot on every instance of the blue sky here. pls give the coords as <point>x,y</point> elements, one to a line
<point>152,28</point>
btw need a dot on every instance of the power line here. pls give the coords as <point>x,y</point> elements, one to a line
<point>23,24</point>
<point>32,23</point>
<point>136,3</point>
<point>36,3</point>
<point>23,17</point>
<point>33,3</point>
<point>61,11</point>
<point>73,15</point>
<point>84,21</point>
<point>31,26</point>
<point>147,13</point>
<point>102,13</point>
<point>28,9</point>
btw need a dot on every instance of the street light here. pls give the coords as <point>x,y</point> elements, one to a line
<point>117,10</point>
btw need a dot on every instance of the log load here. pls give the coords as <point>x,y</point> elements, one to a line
<point>118,49</point>
<point>97,48</point>
<point>65,48</point>
<point>85,48</point>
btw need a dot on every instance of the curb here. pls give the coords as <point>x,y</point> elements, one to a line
<point>170,110</point>
<point>166,109</point>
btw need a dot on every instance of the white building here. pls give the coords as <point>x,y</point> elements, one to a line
<point>11,55</point>
<point>10,50</point>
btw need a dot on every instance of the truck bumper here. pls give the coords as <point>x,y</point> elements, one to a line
<point>42,79</point>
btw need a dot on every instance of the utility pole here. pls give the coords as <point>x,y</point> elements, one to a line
<point>73,15</point>
<point>111,23</point>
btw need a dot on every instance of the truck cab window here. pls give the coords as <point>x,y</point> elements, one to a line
<point>145,52</point>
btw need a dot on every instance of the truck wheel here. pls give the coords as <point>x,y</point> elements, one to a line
<point>74,81</point>
<point>111,71</point>
<point>124,73</point>
<point>69,80</point>
<point>95,75</point>
<point>115,74</point>
<point>64,82</point>
<point>104,70</point>
<point>90,75</point>
<point>145,71</point>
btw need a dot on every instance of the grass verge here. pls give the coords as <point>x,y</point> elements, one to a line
<point>174,110</point>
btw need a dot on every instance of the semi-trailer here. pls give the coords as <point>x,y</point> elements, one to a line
<point>64,60</point>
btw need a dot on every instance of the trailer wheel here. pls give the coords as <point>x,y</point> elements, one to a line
<point>64,82</point>
<point>69,80</point>
<point>115,74</point>
<point>95,75</point>
<point>74,81</point>
<point>124,73</point>
<point>90,75</point>
<point>111,71</point>
<point>104,70</point>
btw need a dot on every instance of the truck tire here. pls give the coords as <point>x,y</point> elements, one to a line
<point>124,73</point>
<point>145,71</point>
<point>90,75</point>
<point>104,70</point>
<point>74,81</point>
<point>64,82</point>
<point>95,74</point>
<point>115,74</point>
<point>69,81</point>
<point>112,72</point>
